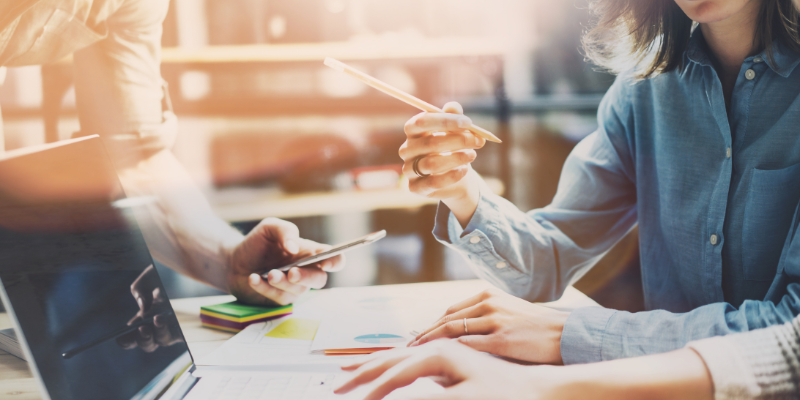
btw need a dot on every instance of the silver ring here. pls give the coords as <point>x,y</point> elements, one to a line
<point>415,167</point>
<point>466,331</point>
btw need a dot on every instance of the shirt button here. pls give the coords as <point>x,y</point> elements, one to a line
<point>474,239</point>
<point>758,60</point>
<point>728,153</point>
<point>714,239</point>
<point>500,265</point>
<point>750,74</point>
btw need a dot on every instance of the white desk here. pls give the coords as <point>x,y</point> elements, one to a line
<point>17,383</point>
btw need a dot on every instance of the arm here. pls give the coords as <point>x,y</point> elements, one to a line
<point>467,374</point>
<point>763,364</point>
<point>533,255</point>
<point>592,334</point>
<point>121,97</point>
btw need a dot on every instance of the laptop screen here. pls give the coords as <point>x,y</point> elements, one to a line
<point>80,280</point>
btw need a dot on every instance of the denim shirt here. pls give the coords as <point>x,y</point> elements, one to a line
<point>715,196</point>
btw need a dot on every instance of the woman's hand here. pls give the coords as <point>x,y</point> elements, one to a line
<point>504,325</point>
<point>466,374</point>
<point>444,150</point>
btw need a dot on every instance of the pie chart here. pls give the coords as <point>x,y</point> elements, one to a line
<point>380,338</point>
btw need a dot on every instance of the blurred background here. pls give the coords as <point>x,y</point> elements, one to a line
<point>267,130</point>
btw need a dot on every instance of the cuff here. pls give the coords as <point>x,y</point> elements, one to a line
<point>731,374</point>
<point>475,242</point>
<point>582,337</point>
<point>759,364</point>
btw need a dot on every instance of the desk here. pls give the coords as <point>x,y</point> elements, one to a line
<point>16,381</point>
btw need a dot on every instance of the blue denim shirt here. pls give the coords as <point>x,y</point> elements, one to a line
<point>715,195</point>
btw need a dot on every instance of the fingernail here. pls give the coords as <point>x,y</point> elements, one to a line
<point>464,123</point>
<point>294,275</point>
<point>275,277</point>
<point>254,279</point>
<point>291,246</point>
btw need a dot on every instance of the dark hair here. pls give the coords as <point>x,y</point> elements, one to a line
<point>649,37</point>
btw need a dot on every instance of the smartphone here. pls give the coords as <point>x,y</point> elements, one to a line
<point>342,248</point>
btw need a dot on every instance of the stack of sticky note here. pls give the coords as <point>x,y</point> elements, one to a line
<point>235,316</point>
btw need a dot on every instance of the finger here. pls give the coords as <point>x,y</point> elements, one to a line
<point>453,107</point>
<point>146,339</point>
<point>263,288</point>
<point>135,318</point>
<point>430,184</point>
<point>128,340</point>
<point>484,343</point>
<point>454,329</point>
<point>142,293</point>
<point>468,302</point>
<point>408,371</point>
<point>308,277</point>
<point>435,144</point>
<point>423,123</point>
<point>353,365</point>
<point>163,336</point>
<point>478,310</point>
<point>440,163</point>
<point>280,231</point>
<point>280,281</point>
<point>332,264</point>
<point>371,370</point>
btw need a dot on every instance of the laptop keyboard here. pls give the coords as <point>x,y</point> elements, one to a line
<point>285,387</point>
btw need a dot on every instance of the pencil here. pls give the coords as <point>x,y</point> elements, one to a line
<point>402,96</point>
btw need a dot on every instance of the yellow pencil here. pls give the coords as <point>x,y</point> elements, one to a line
<point>401,95</point>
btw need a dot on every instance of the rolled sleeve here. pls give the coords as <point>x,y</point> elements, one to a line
<point>583,334</point>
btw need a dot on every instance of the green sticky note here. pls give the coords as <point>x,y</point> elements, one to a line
<point>238,310</point>
<point>295,328</point>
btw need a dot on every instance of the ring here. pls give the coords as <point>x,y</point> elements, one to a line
<point>466,331</point>
<point>415,167</point>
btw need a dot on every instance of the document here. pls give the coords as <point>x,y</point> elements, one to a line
<point>353,318</point>
<point>381,317</point>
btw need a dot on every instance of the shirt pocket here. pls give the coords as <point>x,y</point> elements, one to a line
<point>61,35</point>
<point>771,201</point>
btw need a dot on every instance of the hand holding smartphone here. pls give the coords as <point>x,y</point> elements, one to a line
<point>360,242</point>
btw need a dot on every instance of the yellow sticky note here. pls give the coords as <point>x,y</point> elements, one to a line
<point>295,328</point>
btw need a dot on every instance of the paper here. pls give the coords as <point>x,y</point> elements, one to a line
<point>295,328</point>
<point>352,318</point>
<point>388,316</point>
<point>384,316</point>
<point>254,346</point>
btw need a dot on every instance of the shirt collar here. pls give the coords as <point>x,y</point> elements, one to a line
<point>785,62</point>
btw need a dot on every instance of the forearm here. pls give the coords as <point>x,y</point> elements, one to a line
<point>594,334</point>
<point>179,226</point>
<point>679,374</point>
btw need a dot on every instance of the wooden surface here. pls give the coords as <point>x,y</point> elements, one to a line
<point>237,205</point>
<point>365,50</point>
<point>258,205</point>
<point>17,383</point>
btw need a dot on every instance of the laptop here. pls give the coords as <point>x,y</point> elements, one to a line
<point>71,257</point>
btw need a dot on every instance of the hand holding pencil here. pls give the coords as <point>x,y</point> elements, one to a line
<point>439,149</point>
